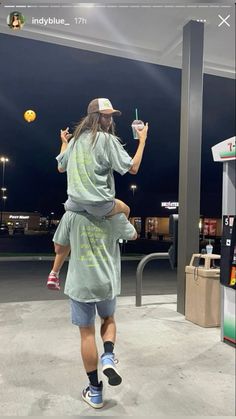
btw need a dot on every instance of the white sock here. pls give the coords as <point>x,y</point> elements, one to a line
<point>55,273</point>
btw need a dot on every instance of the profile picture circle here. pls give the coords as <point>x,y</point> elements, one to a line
<point>15,20</point>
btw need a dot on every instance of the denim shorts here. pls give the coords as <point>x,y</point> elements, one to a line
<point>98,209</point>
<point>83,314</point>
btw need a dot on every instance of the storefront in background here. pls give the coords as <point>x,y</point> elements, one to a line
<point>27,220</point>
<point>151,227</point>
<point>137,223</point>
<point>211,227</point>
<point>157,228</point>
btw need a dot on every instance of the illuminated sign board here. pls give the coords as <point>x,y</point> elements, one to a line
<point>19,217</point>
<point>225,150</point>
<point>170,205</point>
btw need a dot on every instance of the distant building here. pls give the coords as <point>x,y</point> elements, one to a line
<point>27,220</point>
<point>158,227</point>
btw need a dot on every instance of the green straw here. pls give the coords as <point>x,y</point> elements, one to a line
<point>136,113</point>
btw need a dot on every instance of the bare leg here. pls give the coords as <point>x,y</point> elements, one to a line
<point>108,329</point>
<point>61,254</point>
<point>119,207</point>
<point>108,334</point>
<point>89,351</point>
<point>93,394</point>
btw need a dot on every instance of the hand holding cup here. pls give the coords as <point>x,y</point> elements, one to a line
<point>142,133</point>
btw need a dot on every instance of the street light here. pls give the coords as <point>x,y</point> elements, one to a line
<point>4,198</point>
<point>3,160</point>
<point>133,188</point>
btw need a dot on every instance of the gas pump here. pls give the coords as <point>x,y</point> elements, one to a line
<point>225,152</point>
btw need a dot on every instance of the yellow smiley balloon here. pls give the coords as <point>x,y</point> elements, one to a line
<point>29,115</point>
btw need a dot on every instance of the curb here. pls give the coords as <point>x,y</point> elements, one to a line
<point>50,258</point>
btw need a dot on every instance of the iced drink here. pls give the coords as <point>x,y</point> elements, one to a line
<point>137,124</point>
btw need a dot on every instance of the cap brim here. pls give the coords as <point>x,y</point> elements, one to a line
<point>111,112</point>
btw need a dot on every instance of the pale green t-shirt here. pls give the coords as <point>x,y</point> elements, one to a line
<point>94,271</point>
<point>90,167</point>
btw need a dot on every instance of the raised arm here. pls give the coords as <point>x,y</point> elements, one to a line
<point>65,137</point>
<point>142,136</point>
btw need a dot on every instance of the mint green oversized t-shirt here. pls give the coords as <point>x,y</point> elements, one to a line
<point>94,271</point>
<point>90,167</point>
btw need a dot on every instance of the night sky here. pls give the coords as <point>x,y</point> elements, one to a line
<point>58,82</point>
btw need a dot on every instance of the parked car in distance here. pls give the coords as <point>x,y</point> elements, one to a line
<point>18,230</point>
<point>4,231</point>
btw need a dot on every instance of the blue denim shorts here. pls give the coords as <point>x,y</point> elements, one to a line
<point>83,314</point>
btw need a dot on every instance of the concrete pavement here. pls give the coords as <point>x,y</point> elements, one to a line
<point>169,365</point>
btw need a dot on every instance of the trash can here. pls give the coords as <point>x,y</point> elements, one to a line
<point>202,297</point>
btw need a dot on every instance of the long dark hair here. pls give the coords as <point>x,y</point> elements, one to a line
<point>11,19</point>
<point>91,123</point>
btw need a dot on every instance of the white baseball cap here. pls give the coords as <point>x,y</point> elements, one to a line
<point>102,105</point>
